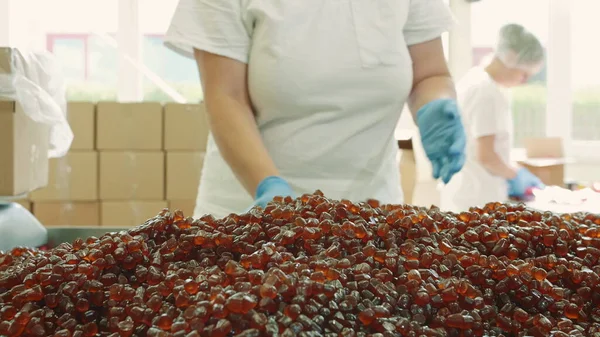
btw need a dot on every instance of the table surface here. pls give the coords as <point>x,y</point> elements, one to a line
<point>564,208</point>
<point>13,198</point>
<point>58,235</point>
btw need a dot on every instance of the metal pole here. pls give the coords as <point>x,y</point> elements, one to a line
<point>130,87</point>
<point>459,43</point>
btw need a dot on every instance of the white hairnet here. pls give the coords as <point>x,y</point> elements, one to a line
<point>518,48</point>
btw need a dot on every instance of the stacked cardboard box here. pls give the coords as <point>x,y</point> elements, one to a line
<point>71,196</point>
<point>545,157</point>
<point>186,134</point>
<point>132,163</point>
<point>24,142</point>
<point>127,162</point>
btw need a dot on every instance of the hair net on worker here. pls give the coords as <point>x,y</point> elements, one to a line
<point>518,48</point>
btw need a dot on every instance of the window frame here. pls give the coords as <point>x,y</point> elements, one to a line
<point>559,107</point>
<point>51,40</point>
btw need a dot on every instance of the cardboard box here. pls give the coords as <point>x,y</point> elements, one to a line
<point>132,175</point>
<point>186,206</point>
<point>82,119</point>
<point>545,158</point>
<point>23,150</point>
<point>129,213</point>
<point>186,127</point>
<point>25,203</point>
<point>67,213</point>
<point>24,143</point>
<point>129,126</point>
<point>183,174</point>
<point>408,174</point>
<point>73,177</point>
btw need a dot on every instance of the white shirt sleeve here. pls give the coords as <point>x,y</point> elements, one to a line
<point>427,20</point>
<point>489,113</point>
<point>214,26</point>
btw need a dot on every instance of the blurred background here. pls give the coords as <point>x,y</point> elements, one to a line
<point>90,36</point>
<point>113,49</point>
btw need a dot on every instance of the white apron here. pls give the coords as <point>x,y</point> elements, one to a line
<point>328,80</point>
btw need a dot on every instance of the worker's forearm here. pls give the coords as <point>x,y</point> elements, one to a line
<point>429,89</point>
<point>234,129</point>
<point>496,166</point>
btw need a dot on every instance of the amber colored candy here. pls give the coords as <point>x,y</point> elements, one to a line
<point>312,267</point>
<point>126,327</point>
<point>191,287</point>
<point>460,321</point>
<point>222,328</point>
<point>422,298</point>
<point>539,274</point>
<point>268,291</point>
<point>90,329</point>
<point>520,315</point>
<point>241,303</point>
<point>292,311</point>
<point>82,305</point>
<point>572,311</point>
<point>8,312</point>
<point>164,322</point>
<point>449,295</point>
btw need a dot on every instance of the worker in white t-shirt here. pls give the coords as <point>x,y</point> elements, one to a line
<point>303,95</point>
<point>483,96</point>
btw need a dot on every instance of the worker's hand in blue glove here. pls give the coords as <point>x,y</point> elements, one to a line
<point>270,188</point>
<point>518,186</point>
<point>443,137</point>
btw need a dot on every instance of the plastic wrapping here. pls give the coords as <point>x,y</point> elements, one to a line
<point>559,195</point>
<point>35,81</point>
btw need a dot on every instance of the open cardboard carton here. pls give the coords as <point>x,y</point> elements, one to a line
<point>23,151</point>
<point>545,158</point>
<point>24,143</point>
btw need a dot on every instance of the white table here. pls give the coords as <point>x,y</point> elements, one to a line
<point>591,207</point>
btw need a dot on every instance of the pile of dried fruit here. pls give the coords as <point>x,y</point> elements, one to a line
<point>316,267</point>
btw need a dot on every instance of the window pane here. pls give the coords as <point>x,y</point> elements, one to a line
<point>528,101</point>
<point>70,52</point>
<point>173,70</point>
<point>585,70</point>
<point>68,28</point>
<point>102,58</point>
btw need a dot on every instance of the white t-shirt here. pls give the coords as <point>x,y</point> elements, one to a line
<point>328,80</point>
<point>485,108</point>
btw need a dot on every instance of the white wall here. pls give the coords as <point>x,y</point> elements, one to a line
<point>5,21</point>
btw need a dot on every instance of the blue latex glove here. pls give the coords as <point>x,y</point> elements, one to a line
<point>517,186</point>
<point>443,137</point>
<point>270,188</point>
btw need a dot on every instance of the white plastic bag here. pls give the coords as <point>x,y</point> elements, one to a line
<point>37,83</point>
<point>19,228</point>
